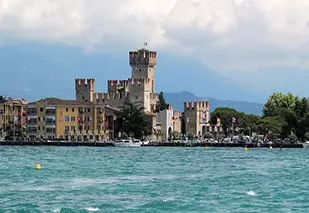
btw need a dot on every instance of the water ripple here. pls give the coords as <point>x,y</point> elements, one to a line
<point>86,179</point>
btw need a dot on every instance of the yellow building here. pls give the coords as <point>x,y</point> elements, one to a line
<point>13,118</point>
<point>53,118</point>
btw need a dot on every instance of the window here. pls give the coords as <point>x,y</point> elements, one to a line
<point>43,128</point>
<point>67,128</point>
<point>72,128</point>
<point>72,109</point>
<point>83,98</point>
<point>72,118</point>
<point>98,100</point>
<point>41,109</point>
<point>80,128</point>
<point>88,109</point>
<point>67,109</point>
<point>99,128</point>
<point>140,70</point>
<point>136,97</point>
<point>39,128</point>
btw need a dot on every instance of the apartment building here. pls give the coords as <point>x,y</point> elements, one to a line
<point>13,118</point>
<point>54,118</point>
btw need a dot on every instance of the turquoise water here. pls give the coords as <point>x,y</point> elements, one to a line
<point>153,179</point>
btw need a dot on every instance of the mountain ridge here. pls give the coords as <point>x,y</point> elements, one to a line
<point>176,99</point>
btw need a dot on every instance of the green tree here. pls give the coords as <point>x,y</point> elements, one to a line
<point>161,103</point>
<point>207,135</point>
<point>175,135</point>
<point>133,121</point>
<point>277,101</point>
<point>190,135</point>
<point>226,115</point>
<point>307,136</point>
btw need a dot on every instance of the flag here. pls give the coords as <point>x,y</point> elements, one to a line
<point>145,44</point>
<point>188,120</point>
<point>115,117</point>
<point>78,118</point>
<point>67,118</point>
<point>15,118</point>
<point>234,120</point>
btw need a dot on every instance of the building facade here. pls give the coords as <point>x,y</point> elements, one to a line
<point>53,118</point>
<point>13,118</point>
<point>139,89</point>
<point>170,122</point>
<point>196,117</point>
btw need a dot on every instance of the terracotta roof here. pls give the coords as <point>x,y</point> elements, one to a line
<point>13,101</point>
<point>62,102</point>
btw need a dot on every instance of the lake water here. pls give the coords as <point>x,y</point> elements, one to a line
<point>153,179</point>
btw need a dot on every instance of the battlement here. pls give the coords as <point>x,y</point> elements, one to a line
<point>196,105</point>
<point>112,82</point>
<point>101,97</point>
<point>85,82</point>
<point>139,81</point>
<point>143,57</point>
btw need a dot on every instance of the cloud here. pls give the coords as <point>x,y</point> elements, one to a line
<point>225,34</point>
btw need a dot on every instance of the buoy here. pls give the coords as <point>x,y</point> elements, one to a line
<point>270,147</point>
<point>246,148</point>
<point>206,147</point>
<point>38,166</point>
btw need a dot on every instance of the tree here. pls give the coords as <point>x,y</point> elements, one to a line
<point>307,136</point>
<point>277,101</point>
<point>207,135</point>
<point>175,135</point>
<point>161,103</point>
<point>133,121</point>
<point>226,115</point>
<point>190,136</point>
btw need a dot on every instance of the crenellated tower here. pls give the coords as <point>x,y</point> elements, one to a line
<point>143,64</point>
<point>85,89</point>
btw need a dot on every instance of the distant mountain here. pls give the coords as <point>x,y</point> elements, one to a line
<point>177,99</point>
<point>35,71</point>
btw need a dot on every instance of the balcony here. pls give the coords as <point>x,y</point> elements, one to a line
<point>50,123</point>
<point>50,112</point>
<point>32,123</point>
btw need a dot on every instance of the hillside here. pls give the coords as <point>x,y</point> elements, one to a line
<point>177,99</point>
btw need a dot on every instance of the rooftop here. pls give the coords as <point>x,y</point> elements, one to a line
<point>61,102</point>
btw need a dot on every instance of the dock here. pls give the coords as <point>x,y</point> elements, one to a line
<point>152,144</point>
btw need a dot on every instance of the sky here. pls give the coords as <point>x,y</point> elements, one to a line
<point>260,44</point>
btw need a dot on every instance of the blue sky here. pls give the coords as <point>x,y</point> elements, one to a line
<point>228,49</point>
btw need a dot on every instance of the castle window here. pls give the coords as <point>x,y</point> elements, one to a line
<point>136,97</point>
<point>67,109</point>
<point>140,70</point>
<point>88,109</point>
<point>72,109</point>
<point>98,100</point>
<point>83,98</point>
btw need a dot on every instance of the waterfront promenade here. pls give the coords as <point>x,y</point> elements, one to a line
<point>152,144</point>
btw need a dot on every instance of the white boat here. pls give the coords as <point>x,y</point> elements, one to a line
<point>127,143</point>
<point>306,145</point>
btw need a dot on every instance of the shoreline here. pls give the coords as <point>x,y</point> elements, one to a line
<point>154,144</point>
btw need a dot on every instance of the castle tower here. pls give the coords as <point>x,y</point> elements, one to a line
<point>197,116</point>
<point>143,63</point>
<point>84,89</point>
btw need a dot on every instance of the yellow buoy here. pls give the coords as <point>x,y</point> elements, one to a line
<point>38,166</point>
<point>246,149</point>
<point>270,147</point>
<point>206,147</point>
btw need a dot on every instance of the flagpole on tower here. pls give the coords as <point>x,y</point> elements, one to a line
<point>145,44</point>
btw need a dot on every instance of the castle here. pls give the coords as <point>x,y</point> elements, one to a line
<point>139,89</point>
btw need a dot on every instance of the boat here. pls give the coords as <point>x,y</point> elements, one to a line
<point>306,145</point>
<point>127,143</point>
